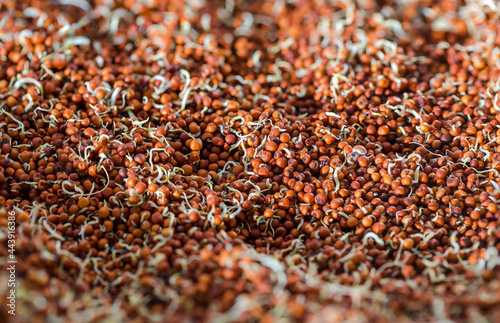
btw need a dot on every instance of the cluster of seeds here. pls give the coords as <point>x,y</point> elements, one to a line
<point>242,161</point>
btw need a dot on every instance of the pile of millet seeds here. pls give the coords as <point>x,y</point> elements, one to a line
<point>251,161</point>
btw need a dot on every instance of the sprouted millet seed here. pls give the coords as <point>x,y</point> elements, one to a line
<point>251,160</point>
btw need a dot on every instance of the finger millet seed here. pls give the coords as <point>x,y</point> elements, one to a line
<point>251,160</point>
